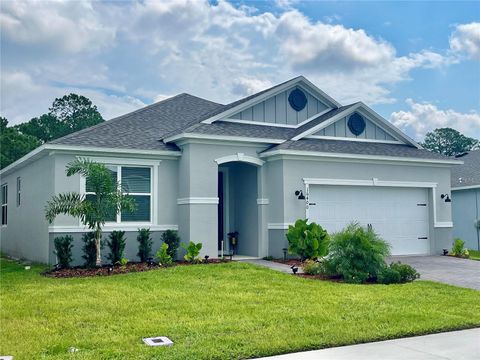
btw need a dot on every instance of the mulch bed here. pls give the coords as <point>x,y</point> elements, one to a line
<point>108,270</point>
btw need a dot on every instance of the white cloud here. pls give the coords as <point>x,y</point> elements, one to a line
<point>466,40</point>
<point>70,26</point>
<point>424,117</point>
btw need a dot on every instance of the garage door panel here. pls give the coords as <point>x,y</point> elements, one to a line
<point>393,213</point>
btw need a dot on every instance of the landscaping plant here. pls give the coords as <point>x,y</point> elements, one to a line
<point>193,251</point>
<point>63,250</point>
<point>407,272</point>
<point>116,245</point>
<point>312,267</point>
<point>164,258</point>
<point>171,238</point>
<point>357,254</point>
<point>92,210</point>
<point>309,241</point>
<point>123,263</point>
<point>144,244</point>
<point>458,248</point>
<point>89,249</point>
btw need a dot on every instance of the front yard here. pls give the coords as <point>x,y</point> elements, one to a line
<point>230,310</point>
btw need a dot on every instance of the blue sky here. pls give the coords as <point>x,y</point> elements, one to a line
<point>416,63</point>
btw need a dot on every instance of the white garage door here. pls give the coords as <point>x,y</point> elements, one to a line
<point>398,215</point>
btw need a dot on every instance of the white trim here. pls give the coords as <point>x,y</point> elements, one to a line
<point>198,200</point>
<point>122,161</point>
<point>322,137</point>
<point>369,182</point>
<point>279,226</point>
<point>290,126</point>
<point>443,224</point>
<point>122,227</point>
<point>355,156</point>
<point>465,187</point>
<point>181,136</point>
<point>263,201</point>
<point>257,99</point>
<point>239,157</point>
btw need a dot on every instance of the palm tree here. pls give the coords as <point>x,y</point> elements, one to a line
<point>107,199</point>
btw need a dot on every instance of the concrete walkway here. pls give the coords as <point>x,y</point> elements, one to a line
<point>273,265</point>
<point>445,269</point>
<point>455,345</point>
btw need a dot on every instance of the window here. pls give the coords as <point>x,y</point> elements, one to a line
<point>4,203</point>
<point>19,190</point>
<point>136,182</point>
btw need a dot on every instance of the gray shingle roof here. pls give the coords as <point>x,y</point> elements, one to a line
<point>142,129</point>
<point>357,148</point>
<point>467,174</point>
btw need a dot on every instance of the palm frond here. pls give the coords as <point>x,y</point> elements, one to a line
<point>67,203</point>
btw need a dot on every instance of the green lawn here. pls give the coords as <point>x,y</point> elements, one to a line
<point>474,254</point>
<point>230,310</point>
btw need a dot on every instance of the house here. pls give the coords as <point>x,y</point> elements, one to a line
<point>466,199</point>
<point>252,166</point>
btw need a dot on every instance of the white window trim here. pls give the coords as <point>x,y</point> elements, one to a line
<point>3,186</point>
<point>19,191</point>
<point>126,162</point>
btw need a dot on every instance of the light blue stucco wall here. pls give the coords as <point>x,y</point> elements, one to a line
<point>465,215</point>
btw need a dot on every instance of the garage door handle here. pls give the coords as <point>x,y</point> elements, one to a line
<point>421,204</point>
<point>312,203</point>
<point>422,238</point>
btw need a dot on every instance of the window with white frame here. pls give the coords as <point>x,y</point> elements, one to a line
<point>136,182</point>
<point>4,204</point>
<point>19,190</point>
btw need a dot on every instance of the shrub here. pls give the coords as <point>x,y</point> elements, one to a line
<point>308,241</point>
<point>116,245</point>
<point>458,248</point>
<point>63,250</point>
<point>388,275</point>
<point>193,250</point>
<point>311,267</point>
<point>164,258</point>
<point>89,249</point>
<point>407,272</point>
<point>357,254</point>
<point>123,263</point>
<point>144,244</point>
<point>171,238</point>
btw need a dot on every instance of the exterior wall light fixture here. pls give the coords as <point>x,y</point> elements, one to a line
<point>446,198</point>
<point>299,194</point>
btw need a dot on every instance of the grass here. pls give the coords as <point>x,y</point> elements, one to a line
<point>231,310</point>
<point>474,254</point>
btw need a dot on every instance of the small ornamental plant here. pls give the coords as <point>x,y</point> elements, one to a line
<point>63,250</point>
<point>309,241</point>
<point>163,257</point>
<point>193,252</point>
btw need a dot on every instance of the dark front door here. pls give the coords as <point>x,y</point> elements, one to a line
<point>220,210</point>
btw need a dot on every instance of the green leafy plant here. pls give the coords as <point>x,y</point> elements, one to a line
<point>388,275</point>
<point>171,238</point>
<point>458,248</point>
<point>144,244</point>
<point>89,249</point>
<point>123,263</point>
<point>63,250</point>
<point>312,267</point>
<point>116,245</point>
<point>356,254</point>
<point>193,251</point>
<point>308,241</point>
<point>92,210</point>
<point>407,273</point>
<point>164,258</point>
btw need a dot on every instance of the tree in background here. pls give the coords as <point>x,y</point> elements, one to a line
<point>449,142</point>
<point>68,114</point>
<point>13,144</point>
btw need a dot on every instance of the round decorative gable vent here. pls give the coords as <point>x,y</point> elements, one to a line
<point>356,124</point>
<point>297,99</point>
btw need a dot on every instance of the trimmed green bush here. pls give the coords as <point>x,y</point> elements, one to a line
<point>116,245</point>
<point>458,249</point>
<point>388,275</point>
<point>193,251</point>
<point>63,250</point>
<point>311,267</point>
<point>90,249</point>
<point>356,254</point>
<point>309,241</point>
<point>164,259</point>
<point>407,273</point>
<point>144,244</point>
<point>171,238</point>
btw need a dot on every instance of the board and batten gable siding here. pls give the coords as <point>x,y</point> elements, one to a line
<point>340,129</point>
<point>277,110</point>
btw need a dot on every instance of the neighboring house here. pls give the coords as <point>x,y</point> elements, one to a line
<point>252,166</point>
<point>466,199</point>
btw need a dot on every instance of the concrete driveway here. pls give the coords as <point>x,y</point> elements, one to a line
<point>445,269</point>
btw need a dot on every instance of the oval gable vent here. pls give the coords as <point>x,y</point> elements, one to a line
<point>297,99</point>
<point>356,124</point>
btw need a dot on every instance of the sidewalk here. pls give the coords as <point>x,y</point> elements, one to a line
<point>273,265</point>
<point>454,345</point>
